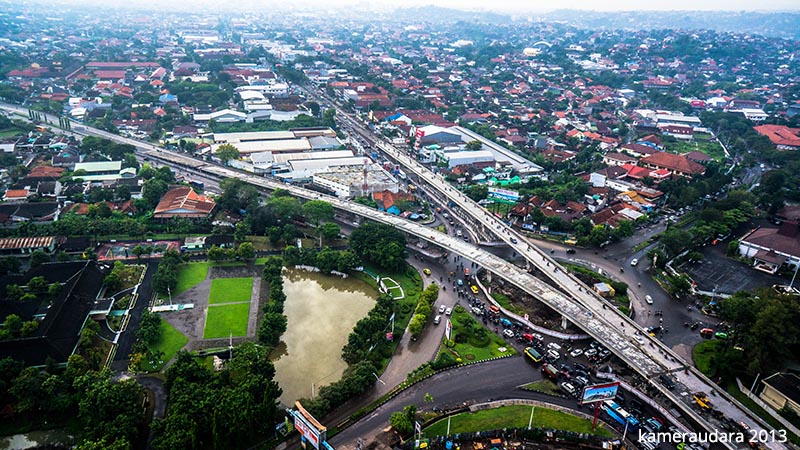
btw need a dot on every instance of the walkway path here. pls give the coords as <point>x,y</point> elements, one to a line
<point>252,318</point>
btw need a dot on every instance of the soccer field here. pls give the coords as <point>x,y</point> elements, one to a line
<point>230,290</point>
<point>226,320</point>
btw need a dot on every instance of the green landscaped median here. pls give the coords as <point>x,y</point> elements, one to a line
<point>230,290</point>
<point>705,354</point>
<point>514,416</point>
<point>190,275</point>
<point>472,342</point>
<point>226,320</point>
<point>169,343</point>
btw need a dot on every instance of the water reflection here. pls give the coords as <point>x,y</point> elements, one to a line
<point>321,312</point>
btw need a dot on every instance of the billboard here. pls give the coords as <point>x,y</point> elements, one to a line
<point>504,194</point>
<point>309,428</point>
<point>599,392</point>
<point>448,329</point>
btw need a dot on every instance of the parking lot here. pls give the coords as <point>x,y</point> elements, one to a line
<point>726,275</point>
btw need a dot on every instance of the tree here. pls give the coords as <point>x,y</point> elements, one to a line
<point>9,264</point>
<point>317,211</point>
<point>227,152</point>
<point>329,231</point>
<point>403,421</point>
<point>380,244</point>
<point>246,251</point>
<point>152,191</point>
<point>474,145</point>
<point>272,326</point>
<point>39,257</point>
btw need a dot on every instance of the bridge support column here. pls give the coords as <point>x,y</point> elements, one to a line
<point>564,322</point>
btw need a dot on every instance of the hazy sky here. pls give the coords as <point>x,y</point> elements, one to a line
<point>506,6</point>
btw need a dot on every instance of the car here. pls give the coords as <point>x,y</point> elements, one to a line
<point>590,352</point>
<point>460,282</point>
<point>474,289</point>
<point>513,240</point>
<point>640,340</point>
<point>570,251</point>
<point>648,299</point>
<point>553,346</point>
<point>579,366</point>
<point>477,311</point>
<point>569,388</point>
<point>426,271</point>
<point>448,311</point>
<point>437,319</point>
<point>667,381</point>
<point>575,353</point>
<point>634,261</point>
<point>442,308</point>
<point>553,355</point>
<point>581,381</point>
<point>508,333</point>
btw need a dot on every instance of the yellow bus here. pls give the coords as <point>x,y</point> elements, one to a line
<point>531,353</point>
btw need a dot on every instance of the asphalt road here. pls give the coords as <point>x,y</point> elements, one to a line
<point>481,382</point>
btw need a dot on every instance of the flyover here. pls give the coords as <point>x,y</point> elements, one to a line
<point>577,303</point>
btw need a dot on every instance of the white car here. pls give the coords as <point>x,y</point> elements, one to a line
<point>648,299</point>
<point>575,353</point>
<point>634,261</point>
<point>508,333</point>
<point>441,309</point>
<point>448,311</point>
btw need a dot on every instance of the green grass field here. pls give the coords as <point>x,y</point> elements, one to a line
<point>505,302</point>
<point>224,320</point>
<point>514,416</point>
<point>545,386</point>
<point>230,290</point>
<point>704,355</point>
<point>190,275</point>
<point>170,342</point>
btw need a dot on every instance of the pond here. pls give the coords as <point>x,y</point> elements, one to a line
<point>321,312</point>
<point>37,439</point>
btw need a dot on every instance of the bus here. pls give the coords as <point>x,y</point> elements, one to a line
<point>197,184</point>
<point>535,356</point>
<point>621,416</point>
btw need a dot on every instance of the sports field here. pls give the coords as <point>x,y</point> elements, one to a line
<point>228,307</point>
<point>230,290</point>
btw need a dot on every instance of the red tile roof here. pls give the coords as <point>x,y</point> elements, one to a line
<point>780,134</point>
<point>46,172</point>
<point>182,201</point>
<point>673,162</point>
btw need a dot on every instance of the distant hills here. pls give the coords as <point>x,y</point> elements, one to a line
<point>772,24</point>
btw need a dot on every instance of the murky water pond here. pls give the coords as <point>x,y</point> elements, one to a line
<point>321,312</point>
<point>36,439</point>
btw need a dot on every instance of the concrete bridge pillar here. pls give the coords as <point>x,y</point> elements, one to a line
<point>564,323</point>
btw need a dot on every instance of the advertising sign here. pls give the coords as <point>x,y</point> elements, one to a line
<point>599,392</point>
<point>504,194</point>
<point>448,329</point>
<point>308,426</point>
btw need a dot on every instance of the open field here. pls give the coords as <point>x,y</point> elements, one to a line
<point>169,343</point>
<point>190,275</point>
<point>230,290</point>
<point>225,320</point>
<point>514,416</point>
